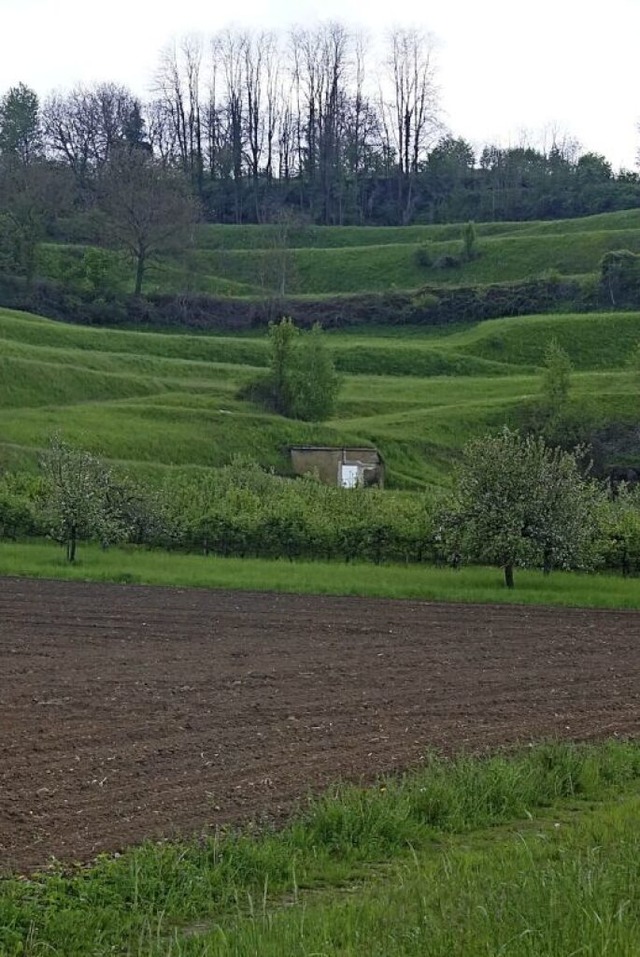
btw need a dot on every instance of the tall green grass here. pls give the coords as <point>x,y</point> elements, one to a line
<point>547,892</point>
<point>405,867</point>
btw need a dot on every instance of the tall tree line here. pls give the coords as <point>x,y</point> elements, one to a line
<point>257,121</point>
<point>304,119</point>
<point>313,121</point>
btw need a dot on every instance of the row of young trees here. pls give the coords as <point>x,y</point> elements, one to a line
<point>517,502</point>
<point>314,120</point>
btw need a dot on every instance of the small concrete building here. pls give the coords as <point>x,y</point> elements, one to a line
<point>348,467</point>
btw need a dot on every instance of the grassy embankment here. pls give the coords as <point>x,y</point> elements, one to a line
<point>532,854</point>
<point>244,261</point>
<point>357,269</point>
<point>155,401</point>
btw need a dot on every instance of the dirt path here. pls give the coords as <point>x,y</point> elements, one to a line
<point>132,712</point>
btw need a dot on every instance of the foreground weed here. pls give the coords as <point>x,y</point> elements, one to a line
<point>548,890</point>
<point>248,892</point>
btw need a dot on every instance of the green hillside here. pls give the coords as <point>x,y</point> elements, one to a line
<point>352,269</point>
<point>298,237</point>
<point>253,261</point>
<point>157,401</point>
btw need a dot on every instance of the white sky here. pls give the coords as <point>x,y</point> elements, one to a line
<point>505,66</point>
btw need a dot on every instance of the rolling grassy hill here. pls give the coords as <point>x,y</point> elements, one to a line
<point>357,269</point>
<point>247,261</point>
<point>156,401</point>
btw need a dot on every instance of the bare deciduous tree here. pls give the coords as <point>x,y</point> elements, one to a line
<point>177,91</point>
<point>232,47</point>
<point>82,127</point>
<point>410,108</point>
<point>149,208</point>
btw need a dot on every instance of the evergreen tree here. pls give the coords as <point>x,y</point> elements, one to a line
<point>20,134</point>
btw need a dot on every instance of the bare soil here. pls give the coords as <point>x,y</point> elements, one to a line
<point>136,712</point>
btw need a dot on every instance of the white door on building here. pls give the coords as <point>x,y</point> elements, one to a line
<point>348,476</point>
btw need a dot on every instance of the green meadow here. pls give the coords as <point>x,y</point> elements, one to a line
<point>247,261</point>
<point>523,855</point>
<point>159,400</point>
<point>155,401</point>
<point>417,582</point>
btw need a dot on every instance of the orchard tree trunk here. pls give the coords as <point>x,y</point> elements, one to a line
<point>508,576</point>
<point>71,544</point>
<point>140,264</point>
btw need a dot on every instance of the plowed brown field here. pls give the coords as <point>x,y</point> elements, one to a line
<point>133,712</point>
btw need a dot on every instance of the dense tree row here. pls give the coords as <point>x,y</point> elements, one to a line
<point>517,503</point>
<point>306,124</point>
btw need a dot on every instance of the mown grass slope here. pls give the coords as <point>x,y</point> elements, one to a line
<point>160,400</point>
<point>359,269</point>
<point>250,261</point>
<point>259,237</point>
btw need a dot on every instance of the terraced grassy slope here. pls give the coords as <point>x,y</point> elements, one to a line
<point>369,268</point>
<point>158,401</point>
<point>249,260</point>
<point>258,237</point>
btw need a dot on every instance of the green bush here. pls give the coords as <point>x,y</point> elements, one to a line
<point>619,546</point>
<point>447,261</point>
<point>620,277</point>
<point>423,256</point>
<point>302,382</point>
<point>17,519</point>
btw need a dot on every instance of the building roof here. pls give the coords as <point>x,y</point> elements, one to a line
<point>333,448</point>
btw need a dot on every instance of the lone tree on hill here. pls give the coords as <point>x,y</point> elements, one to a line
<point>149,209</point>
<point>469,241</point>
<point>520,503</point>
<point>556,380</point>
<point>556,423</point>
<point>302,382</point>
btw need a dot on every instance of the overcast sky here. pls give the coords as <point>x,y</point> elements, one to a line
<point>505,66</point>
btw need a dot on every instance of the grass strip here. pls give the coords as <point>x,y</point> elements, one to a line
<point>381,870</point>
<point>547,889</point>
<point>419,582</point>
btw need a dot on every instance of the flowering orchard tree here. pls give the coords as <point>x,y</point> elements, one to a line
<point>520,503</point>
<point>79,497</point>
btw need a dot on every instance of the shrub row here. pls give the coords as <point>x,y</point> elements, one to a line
<point>243,511</point>
<point>431,305</point>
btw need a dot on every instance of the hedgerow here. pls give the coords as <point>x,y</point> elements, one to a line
<point>242,510</point>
